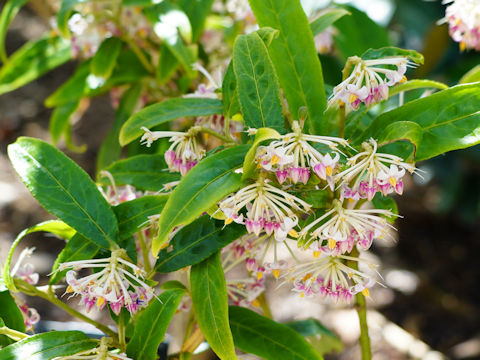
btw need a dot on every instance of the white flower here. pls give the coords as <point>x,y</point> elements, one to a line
<point>463,18</point>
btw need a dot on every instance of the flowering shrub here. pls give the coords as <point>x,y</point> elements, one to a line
<point>265,156</point>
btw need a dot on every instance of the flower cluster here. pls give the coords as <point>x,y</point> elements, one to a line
<point>116,281</point>
<point>185,151</point>
<point>369,81</point>
<point>463,18</point>
<point>294,158</point>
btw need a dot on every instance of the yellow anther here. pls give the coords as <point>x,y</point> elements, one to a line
<point>256,303</point>
<point>458,21</point>
<point>350,200</point>
<point>69,289</point>
<point>332,243</point>
<point>276,273</point>
<point>404,79</point>
<point>302,295</point>
<point>306,277</point>
<point>259,275</point>
<point>237,117</point>
<point>228,221</point>
<point>316,254</point>
<point>366,292</point>
<point>393,181</point>
<point>329,170</point>
<point>352,98</point>
<point>100,301</point>
<point>164,246</point>
<point>293,233</point>
<point>463,45</point>
<point>275,159</point>
<point>340,102</point>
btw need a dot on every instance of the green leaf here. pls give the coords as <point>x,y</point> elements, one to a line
<point>9,11</point>
<point>357,33</point>
<point>416,84</point>
<point>77,248</point>
<point>386,203</point>
<point>327,18</point>
<point>402,130</point>
<point>105,58</point>
<point>48,345</point>
<point>249,164</point>
<point>197,241</point>
<point>143,172</point>
<point>229,92</point>
<point>310,327</point>
<point>258,90</point>
<point>32,60</point>
<point>152,324</point>
<point>165,111</point>
<point>203,186</point>
<point>64,14</point>
<point>132,214</point>
<point>471,76</point>
<point>53,226</point>
<point>71,90</point>
<point>449,119</point>
<point>60,119</point>
<point>64,189</point>
<point>10,313</point>
<point>171,25</point>
<point>197,12</point>
<point>322,339</point>
<point>111,150</point>
<point>210,302</point>
<point>266,338</point>
<point>389,51</point>
<point>295,58</point>
<point>167,64</point>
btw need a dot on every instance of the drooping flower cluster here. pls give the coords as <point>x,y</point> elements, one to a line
<point>268,209</point>
<point>185,151</point>
<point>117,195</point>
<point>293,157</point>
<point>369,172</point>
<point>463,18</point>
<point>369,81</point>
<point>117,282</point>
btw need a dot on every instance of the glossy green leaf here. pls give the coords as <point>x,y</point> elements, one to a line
<point>152,324</point>
<point>143,172</point>
<point>309,327</point>
<point>167,110</point>
<point>266,338</point>
<point>167,64</point>
<point>471,76</point>
<point>249,164</point>
<point>111,150</point>
<point>210,303</point>
<point>64,189</point>
<point>32,60</point>
<point>231,105</point>
<point>105,59</point>
<point>77,248</point>
<point>402,131</point>
<point>64,14</point>
<point>9,11</point>
<point>60,119</point>
<point>258,90</point>
<point>132,214</point>
<point>172,26</point>
<point>71,90</point>
<point>327,18</point>
<point>390,51</point>
<point>416,84</point>
<point>197,241</point>
<point>449,120</point>
<point>203,186</point>
<point>357,33</point>
<point>10,313</point>
<point>48,345</point>
<point>295,58</point>
<point>267,34</point>
<point>386,203</point>
<point>197,12</point>
<point>322,339</point>
<point>56,227</point>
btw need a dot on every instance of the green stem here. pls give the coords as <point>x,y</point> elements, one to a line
<point>361,307</point>
<point>341,122</point>
<point>51,297</point>
<point>141,56</point>
<point>217,135</point>
<point>121,335</point>
<point>226,128</point>
<point>143,246</point>
<point>12,334</point>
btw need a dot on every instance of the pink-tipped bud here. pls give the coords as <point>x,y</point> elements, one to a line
<point>281,176</point>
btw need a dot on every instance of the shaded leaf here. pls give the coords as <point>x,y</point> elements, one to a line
<point>9,11</point>
<point>249,164</point>
<point>105,59</point>
<point>416,84</point>
<point>327,18</point>
<point>390,51</point>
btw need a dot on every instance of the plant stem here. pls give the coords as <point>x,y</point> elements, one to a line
<point>121,335</point>
<point>140,55</point>
<point>341,122</point>
<point>143,246</point>
<point>12,334</point>
<point>361,307</point>
<point>217,135</point>
<point>51,297</point>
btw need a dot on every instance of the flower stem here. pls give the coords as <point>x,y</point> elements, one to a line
<point>341,122</point>
<point>217,135</point>
<point>140,55</point>
<point>143,246</point>
<point>51,297</point>
<point>12,334</point>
